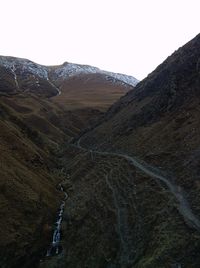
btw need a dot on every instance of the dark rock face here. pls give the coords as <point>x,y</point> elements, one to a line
<point>173,85</point>
<point>174,82</point>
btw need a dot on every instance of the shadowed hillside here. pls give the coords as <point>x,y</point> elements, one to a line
<point>131,179</point>
<point>32,131</point>
<point>134,184</point>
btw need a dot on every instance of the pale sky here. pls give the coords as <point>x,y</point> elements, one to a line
<point>127,36</point>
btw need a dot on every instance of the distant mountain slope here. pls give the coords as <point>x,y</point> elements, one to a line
<point>21,75</point>
<point>67,70</point>
<point>90,90</point>
<point>86,86</point>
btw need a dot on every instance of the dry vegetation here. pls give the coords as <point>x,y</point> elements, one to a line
<point>91,91</point>
<point>159,123</point>
<point>32,132</point>
<point>118,217</point>
<point>34,128</point>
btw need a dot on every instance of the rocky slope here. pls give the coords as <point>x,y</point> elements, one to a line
<point>134,185</point>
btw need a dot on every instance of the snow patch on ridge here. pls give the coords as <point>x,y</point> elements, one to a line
<point>13,69</point>
<point>71,69</point>
<point>23,66</point>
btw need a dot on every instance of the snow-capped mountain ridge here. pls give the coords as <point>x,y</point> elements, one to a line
<point>23,68</point>
<point>71,69</point>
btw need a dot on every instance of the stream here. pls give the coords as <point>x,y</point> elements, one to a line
<point>55,247</point>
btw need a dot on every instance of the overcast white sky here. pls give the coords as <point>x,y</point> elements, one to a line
<point>127,36</point>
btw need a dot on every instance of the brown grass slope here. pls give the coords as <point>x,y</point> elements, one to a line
<point>82,86</point>
<point>116,216</point>
<point>90,90</point>
<point>158,123</point>
<point>32,131</point>
<point>33,128</point>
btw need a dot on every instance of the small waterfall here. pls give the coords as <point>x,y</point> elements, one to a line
<point>55,247</point>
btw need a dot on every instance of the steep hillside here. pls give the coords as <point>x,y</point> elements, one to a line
<point>160,117</point>
<point>34,128</point>
<point>134,186</point>
<point>131,182</point>
<point>32,131</point>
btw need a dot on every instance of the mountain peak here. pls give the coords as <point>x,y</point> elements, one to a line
<point>25,68</point>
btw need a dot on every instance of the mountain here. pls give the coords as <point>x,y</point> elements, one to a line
<point>34,131</point>
<point>170,92</point>
<point>66,70</point>
<point>120,191</point>
<point>86,86</point>
<point>82,86</point>
<point>134,178</point>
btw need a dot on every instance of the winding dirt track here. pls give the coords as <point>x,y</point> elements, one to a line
<point>182,203</point>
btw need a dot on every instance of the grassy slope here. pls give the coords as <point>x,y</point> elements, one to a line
<point>32,131</point>
<point>117,217</point>
<point>158,122</point>
<point>27,185</point>
<point>91,91</point>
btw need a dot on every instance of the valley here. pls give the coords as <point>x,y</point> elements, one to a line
<point>98,170</point>
<point>34,128</point>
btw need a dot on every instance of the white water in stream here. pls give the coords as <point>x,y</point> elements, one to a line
<point>55,247</point>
